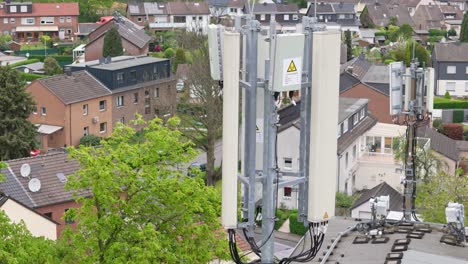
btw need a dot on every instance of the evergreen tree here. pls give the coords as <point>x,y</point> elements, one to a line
<point>51,66</point>
<point>366,20</point>
<point>17,133</point>
<point>112,44</point>
<point>179,58</point>
<point>464,29</point>
<point>349,48</point>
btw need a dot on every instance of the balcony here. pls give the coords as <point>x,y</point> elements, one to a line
<point>377,157</point>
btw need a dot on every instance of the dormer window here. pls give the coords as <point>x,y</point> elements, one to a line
<point>13,9</point>
<point>24,9</point>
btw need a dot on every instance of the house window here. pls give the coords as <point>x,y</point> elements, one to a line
<point>156,92</point>
<point>295,17</point>
<point>363,113</point>
<point>24,9</point>
<point>133,75</point>
<point>140,19</point>
<point>355,119</point>
<point>341,16</point>
<point>321,17</point>
<point>34,111</point>
<point>69,31</point>
<point>68,19</point>
<point>466,70</point>
<point>5,20</point>
<point>262,17</point>
<point>103,127</point>
<point>450,86</point>
<point>62,19</point>
<point>287,163</point>
<point>122,120</point>
<point>339,130</point>
<point>68,220</point>
<point>120,101</point>
<point>85,109</point>
<point>49,214</point>
<point>147,106</point>
<point>47,20</point>
<point>13,9</point>
<point>345,126</point>
<point>43,111</point>
<point>85,131</point>
<point>135,98</point>
<point>102,105</point>
<point>27,21</point>
<point>286,17</point>
<point>233,10</point>
<point>120,77</point>
<point>354,152</point>
<point>179,19</point>
<point>287,191</point>
<point>388,145</point>
<point>12,20</point>
<point>451,69</point>
<point>346,160</point>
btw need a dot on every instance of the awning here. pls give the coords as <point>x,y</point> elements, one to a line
<point>48,129</point>
<point>36,28</point>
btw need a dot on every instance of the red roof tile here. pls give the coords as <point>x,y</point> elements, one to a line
<point>46,9</point>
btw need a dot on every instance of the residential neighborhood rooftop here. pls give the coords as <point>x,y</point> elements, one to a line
<point>451,52</point>
<point>46,9</point>
<point>396,199</point>
<point>127,63</point>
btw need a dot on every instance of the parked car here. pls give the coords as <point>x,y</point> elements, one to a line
<point>195,165</point>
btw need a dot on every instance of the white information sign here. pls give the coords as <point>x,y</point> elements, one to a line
<point>292,71</point>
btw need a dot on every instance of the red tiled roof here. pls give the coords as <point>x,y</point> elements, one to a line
<point>46,9</point>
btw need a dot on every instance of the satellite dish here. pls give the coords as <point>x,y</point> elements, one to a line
<point>25,170</point>
<point>34,185</point>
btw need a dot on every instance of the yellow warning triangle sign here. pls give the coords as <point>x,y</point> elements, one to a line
<point>292,67</point>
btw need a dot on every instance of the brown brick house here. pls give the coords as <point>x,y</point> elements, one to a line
<point>134,39</point>
<point>69,107</point>
<point>51,200</point>
<point>27,21</point>
<point>92,97</point>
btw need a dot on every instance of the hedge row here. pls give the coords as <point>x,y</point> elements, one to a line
<point>29,77</point>
<point>295,227</point>
<point>458,116</point>
<point>58,58</point>
<point>21,63</point>
<point>451,105</point>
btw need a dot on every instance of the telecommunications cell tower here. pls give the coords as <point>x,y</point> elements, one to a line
<point>272,64</point>
<point>415,105</point>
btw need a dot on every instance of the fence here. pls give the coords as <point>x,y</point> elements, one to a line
<point>50,51</point>
<point>448,115</point>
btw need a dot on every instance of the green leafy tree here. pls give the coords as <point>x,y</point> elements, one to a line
<point>393,21</point>
<point>4,40</point>
<point>393,33</point>
<point>421,53</point>
<point>464,29</point>
<point>51,66</point>
<point>437,191</point>
<point>202,115</point>
<point>90,140</point>
<point>405,31</point>
<point>348,43</point>
<point>366,20</point>
<point>17,133</point>
<point>179,58</point>
<point>19,246</point>
<point>142,209</point>
<point>112,44</point>
<point>169,53</point>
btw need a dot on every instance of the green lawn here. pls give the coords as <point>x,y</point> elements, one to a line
<point>33,46</point>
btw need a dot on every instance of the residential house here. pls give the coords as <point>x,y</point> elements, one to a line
<point>191,16</point>
<point>36,68</point>
<point>380,13</point>
<point>354,122</point>
<point>336,15</point>
<point>85,28</point>
<point>287,16</point>
<point>27,21</point>
<point>134,39</point>
<point>68,107</point>
<point>361,208</point>
<point>362,79</point>
<point>450,63</point>
<point>368,35</point>
<point>91,100</point>
<point>221,8</point>
<point>48,197</point>
<point>38,224</point>
<point>437,17</point>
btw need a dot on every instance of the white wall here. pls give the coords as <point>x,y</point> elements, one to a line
<point>362,212</point>
<point>194,25</point>
<point>36,224</point>
<point>288,147</point>
<point>373,173</point>
<point>346,172</point>
<point>460,88</point>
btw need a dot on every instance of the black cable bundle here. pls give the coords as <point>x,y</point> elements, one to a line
<point>233,248</point>
<point>316,241</point>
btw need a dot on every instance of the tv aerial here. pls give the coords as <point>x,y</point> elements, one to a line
<point>25,170</point>
<point>34,185</point>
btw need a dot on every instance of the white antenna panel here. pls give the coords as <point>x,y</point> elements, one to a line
<point>34,185</point>
<point>397,69</point>
<point>25,170</point>
<point>215,51</point>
